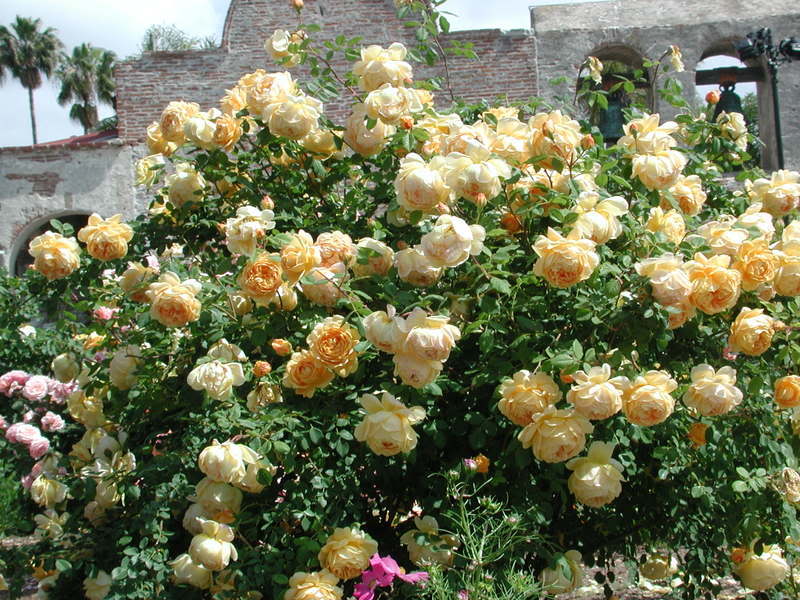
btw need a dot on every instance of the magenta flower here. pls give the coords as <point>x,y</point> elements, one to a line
<point>382,572</point>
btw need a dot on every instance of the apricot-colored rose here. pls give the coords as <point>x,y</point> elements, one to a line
<point>387,427</point>
<point>320,585</point>
<point>382,65</point>
<point>346,552</point>
<point>596,395</point>
<point>556,435</point>
<point>563,262</point>
<point>752,332</point>
<point>172,301</point>
<point>333,343</point>
<point>54,255</point>
<point>713,393</point>
<point>697,434</point>
<point>305,374</point>
<point>670,223</point>
<point>688,193</point>
<point>756,262</point>
<point>299,256</point>
<point>787,391</point>
<point>106,239</point>
<point>648,401</point>
<point>715,286</point>
<point>261,277</point>
<point>527,394</point>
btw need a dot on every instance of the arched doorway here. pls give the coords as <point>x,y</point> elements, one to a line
<point>19,259</point>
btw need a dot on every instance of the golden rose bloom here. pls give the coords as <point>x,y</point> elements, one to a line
<point>323,285</point>
<point>670,223</point>
<point>226,462</point>
<point>106,239</point>
<point>596,395</point>
<point>148,169</point>
<point>556,435</point>
<point>390,104</point>
<point>319,585</point>
<point>382,65</point>
<point>475,175</point>
<point>135,280</point>
<point>688,193</point>
<point>227,132</point>
<point>281,346</point>
<point>261,277</point>
<point>787,277</point>
<point>372,257</point>
<point>213,548</point>
<point>670,282</point>
<point>426,546</point>
<point>421,186</point>
<point>779,195</point>
<point>294,118</point>
<point>414,267</point>
<point>713,393</point>
<point>415,371</point>
<point>429,337</point>
<point>387,428</point>
<point>278,47</point>
<point>732,126</point>
<point>527,394</point>
<point>65,367</point>
<point>333,343</point>
<point>452,241</point>
<point>54,255</point>
<point>200,129</point>
<point>645,136</point>
<point>757,263</point>
<point>597,219</point>
<point>335,247</point>
<point>322,142</point>
<point>595,479</point>
<point>660,170</point>
<point>156,144</point>
<point>564,261</point>
<point>185,185</point>
<point>565,577</point>
<point>715,286</point>
<point>217,498</point>
<point>186,571</point>
<point>362,139</point>
<point>762,571</point>
<point>346,552</point>
<point>299,256</point>
<point>648,401</point>
<point>97,588</point>
<point>659,565</point>
<point>723,236</point>
<point>47,492</point>
<point>305,374</point>
<point>385,330</point>
<point>697,434</point>
<point>172,301</point>
<point>482,463</point>
<point>752,332</point>
<point>555,135</point>
<point>787,391</point>
<point>122,368</point>
<point>173,119</point>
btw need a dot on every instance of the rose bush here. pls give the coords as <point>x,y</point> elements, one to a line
<point>321,335</point>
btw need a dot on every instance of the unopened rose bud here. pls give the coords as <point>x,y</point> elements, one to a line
<point>712,97</point>
<point>281,347</point>
<point>262,368</point>
<point>587,142</point>
<point>442,208</point>
<point>298,4</point>
<point>779,326</point>
<point>566,377</point>
<point>738,554</point>
<point>401,245</point>
<point>267,203</point>
<point>400,152</point>
<point>511,223</point>
<point>766,293</point>
<point>470,464</point>
<point>697,434</point>
<point>482,463</point>
<point>406,122</point>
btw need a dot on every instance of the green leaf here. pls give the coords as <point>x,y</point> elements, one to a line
<point>500,285</point>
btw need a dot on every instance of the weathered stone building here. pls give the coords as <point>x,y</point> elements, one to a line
<point>96,174</point>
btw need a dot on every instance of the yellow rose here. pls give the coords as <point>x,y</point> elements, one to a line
<point>65,367</point>
<point>306,374</point>
<point>429,337</point>
<point>319,585</point>
<point>226,462</point>
<point>646,136</point>
<point>660,170</point>
<point>511,140</point>
<point>247,228</point>
<point>106,239</point>
<point>421,186</point>
<point>787,276</point>
<point>362,139</point>
<point>87,410</point>
<point>227,131</point>
<point>217,498</point>
<point>261,277</point>
<point>97,588</point>
<point>299,256</point>
<point>697,434</point>
<point>185,185</point>
<point>595,479</point>
<point>262,89</point>
<point>122,368</point>
<point>346,552</point>
<point>434,549</point>
<point>323,285</point>
<point>333,343</point>
<point>688,193</point>
<point>723,236</point>
<point>47,492</point>
<point>156,144</point>
<point>659,565</point>
<point>414,267</point>
<point>475,175</point>
<point>597,219</point>
<point>294,118</point>
<point>565,577</point>
<point>186,571</point>
<point>596,395</point>
<point>372,257</point>
<point>278,47</point>
<point>54,255</point>
<point>199,129</point>
<point>554,135</point>
<point>648,401</point>
<point>262,395</point>
<point>556,435</point>
<point>713,393</point>
<point>715,287</point>
<point>335,247</point>
<point>415,371</point>
<point>669,223</point>
<point>172,301</point>
<point>134,281</point>
<point>451,241</point>
<point>148,169</point>
<point>213,548</point>
<point>762,571</point>
<point>780,194</point>
<point>563,262</point>
<point>217,378</point>
<point>173,119</point>
<point>390,104</point>
<point>379,66</point>
<point>732,126</point>
<point>757,264</point>
<point>670,282</point>
<point>787,391</point>
<point>752,332</point>
<point>322,142</point>
<point>385,330</point>
<point>527,394</point>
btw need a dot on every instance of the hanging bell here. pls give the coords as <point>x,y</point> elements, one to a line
<point>611,119</point>
<point>729,101</point>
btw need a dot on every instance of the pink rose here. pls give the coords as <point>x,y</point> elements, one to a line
<point>152,262</point>
<point>28,416</point>
<point>3,424</point>
<point>39,447</point>
<point>27,480</point>
<point>22,433</point>
<point>60,391</point>
<point>12,381</point>
<point>36,388</point>
<point>52,422</point>
<point>104,313</point>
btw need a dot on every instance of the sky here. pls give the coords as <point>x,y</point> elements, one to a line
<point>119,25</point>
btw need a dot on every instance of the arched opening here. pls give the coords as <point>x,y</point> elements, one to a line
<point>627,83</point>
<point>19,259</point>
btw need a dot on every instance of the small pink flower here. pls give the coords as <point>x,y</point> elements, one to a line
<point>39,447</point>
<point>12,381</point>
<point>36,388</point>
<point>22,433</point>
<point>27,480</point>
<point>60,391</point>
<point>729,354</point>
<point>152,262</point>
<point>3,424</point>
<point>28,416</point>
<point>463,595</point>
<point>104,313</point>
<point>52,422</point>
<point>470,464</point>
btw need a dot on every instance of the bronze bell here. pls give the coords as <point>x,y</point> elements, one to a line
<point>611,119</point>
<point>729,101</point>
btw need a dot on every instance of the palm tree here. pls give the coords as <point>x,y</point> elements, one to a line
<point>28,53</point>
<point>87,78</point>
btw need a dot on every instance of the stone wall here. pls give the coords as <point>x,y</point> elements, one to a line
<point>38,183</point>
